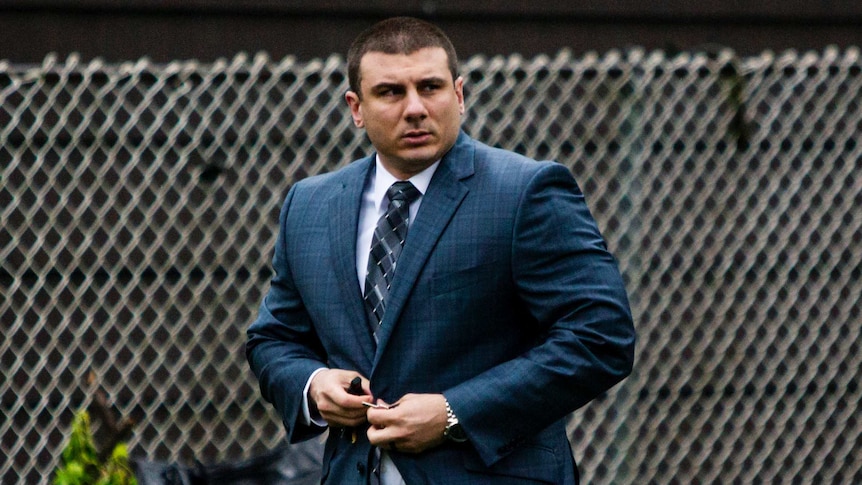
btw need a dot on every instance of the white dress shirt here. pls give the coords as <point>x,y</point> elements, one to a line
<point>374,205</point>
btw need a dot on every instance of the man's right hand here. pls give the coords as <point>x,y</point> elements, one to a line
<point>328,395</point>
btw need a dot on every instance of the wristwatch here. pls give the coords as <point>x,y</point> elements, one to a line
<point>453,431</point>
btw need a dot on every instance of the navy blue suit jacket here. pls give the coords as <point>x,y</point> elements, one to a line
<point>506,300</point>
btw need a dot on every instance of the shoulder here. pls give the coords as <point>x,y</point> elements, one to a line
<point>318,187</point>
<point>514,168</point>
<point>309,196</point>
<point>348,174</point>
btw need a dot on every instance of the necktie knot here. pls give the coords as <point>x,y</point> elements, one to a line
<point>402,192</point>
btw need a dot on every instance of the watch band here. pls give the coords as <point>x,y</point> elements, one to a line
<point>451,419</point>
<point>453,431</point>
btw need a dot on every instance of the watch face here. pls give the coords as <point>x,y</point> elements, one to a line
<point>456,433</point>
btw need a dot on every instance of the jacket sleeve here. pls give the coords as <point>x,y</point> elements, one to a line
<point>571,286</point>
<point>283,349</point>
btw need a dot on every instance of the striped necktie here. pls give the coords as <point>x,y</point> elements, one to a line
<point>386,244</point>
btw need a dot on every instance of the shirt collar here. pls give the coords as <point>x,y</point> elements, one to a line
<point>383,180</point>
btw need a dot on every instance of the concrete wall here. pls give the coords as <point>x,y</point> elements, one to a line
<point>209,29</point>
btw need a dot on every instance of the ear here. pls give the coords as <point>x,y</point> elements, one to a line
<point>459,92</point>
<point>355,108</point>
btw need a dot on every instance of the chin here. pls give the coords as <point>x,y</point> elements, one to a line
<point>420,157</point>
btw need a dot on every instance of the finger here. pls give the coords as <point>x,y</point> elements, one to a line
<point>380,417</point>
<point>379,436</point>
<point>337,415</point>
<point>336,384</point>
<point>340,421</point>
<point>340,392</point>
<point>345,413</point>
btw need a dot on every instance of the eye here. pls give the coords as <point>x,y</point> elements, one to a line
<point>389,91</point>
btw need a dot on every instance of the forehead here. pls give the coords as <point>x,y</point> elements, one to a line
<point>377,67</point>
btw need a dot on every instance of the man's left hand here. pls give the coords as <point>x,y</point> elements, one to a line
<point>414,424</point>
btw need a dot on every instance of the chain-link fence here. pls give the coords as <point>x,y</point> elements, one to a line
<point>139,206</point>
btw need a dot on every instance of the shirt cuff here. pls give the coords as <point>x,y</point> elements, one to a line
<point>307,418</point>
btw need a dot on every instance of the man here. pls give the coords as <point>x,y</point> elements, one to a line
<point>487,310</point>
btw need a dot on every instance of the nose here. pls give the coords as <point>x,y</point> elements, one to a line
<point>415,107</point>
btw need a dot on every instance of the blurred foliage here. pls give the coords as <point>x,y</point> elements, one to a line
<point>81,464</point>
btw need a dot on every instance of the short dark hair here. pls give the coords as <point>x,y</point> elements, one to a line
<point>397,35</point>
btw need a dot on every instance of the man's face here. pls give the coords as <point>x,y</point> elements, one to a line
<point>410,107</point>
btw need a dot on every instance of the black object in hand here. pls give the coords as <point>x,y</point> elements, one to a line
<point>355,386</point>
<point>355,389</point>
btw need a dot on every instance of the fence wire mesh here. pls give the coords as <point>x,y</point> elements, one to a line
<point>139,203</point>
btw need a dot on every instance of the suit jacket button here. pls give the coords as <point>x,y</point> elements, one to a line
<point>360,467</point>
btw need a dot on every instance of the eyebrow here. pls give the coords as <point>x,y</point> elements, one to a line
<point>383,86</point>
<point>389,85</point>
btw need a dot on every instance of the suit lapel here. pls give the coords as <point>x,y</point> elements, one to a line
<point>439,204</point>
<point>343,216</point>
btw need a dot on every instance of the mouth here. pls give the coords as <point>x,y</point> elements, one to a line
<point>415,137</point>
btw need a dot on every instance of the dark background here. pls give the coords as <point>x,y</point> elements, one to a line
<point>210,29</point>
